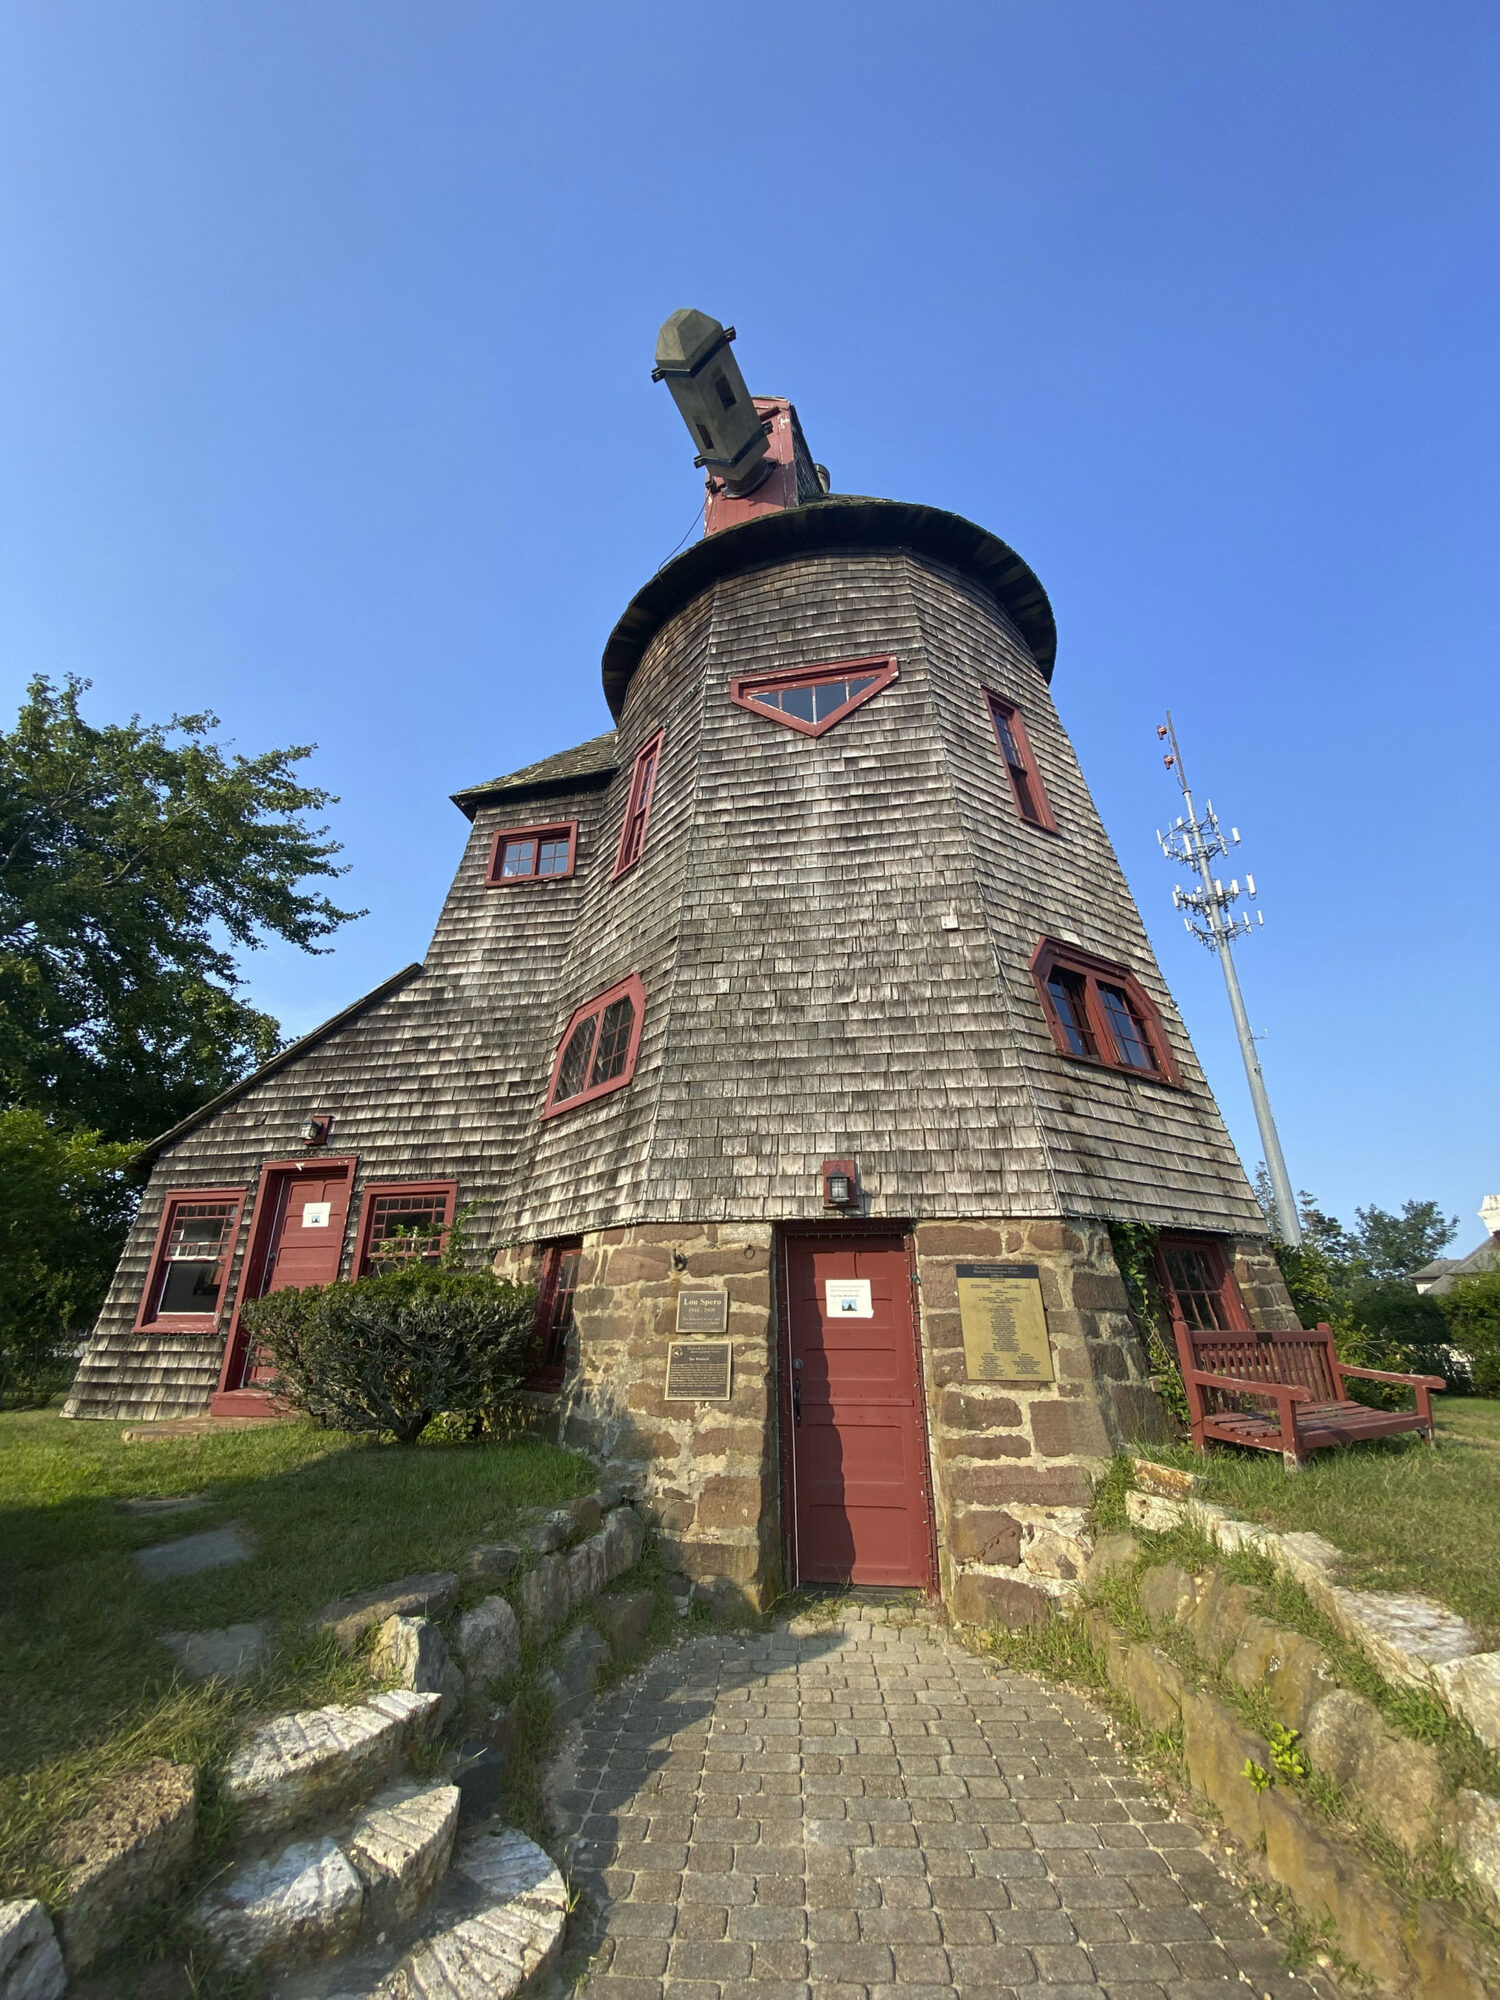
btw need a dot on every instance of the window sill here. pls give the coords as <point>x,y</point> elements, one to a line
<point>179,1323</point>
<point>1120,1069</point>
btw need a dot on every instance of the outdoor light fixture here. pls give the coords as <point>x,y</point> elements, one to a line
<point>840,1184</point>
<point>315,1131</point>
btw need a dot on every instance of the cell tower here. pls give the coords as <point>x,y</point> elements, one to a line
<point>1194,843</point>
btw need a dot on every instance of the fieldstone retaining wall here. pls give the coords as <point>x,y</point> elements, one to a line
<point>1389,1782</point>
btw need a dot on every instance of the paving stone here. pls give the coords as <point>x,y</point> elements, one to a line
<point>874,1810</point>
<point>189,1555</point>
<point>229,1654</point>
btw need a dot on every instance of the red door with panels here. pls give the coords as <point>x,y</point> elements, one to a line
<point>298,1239</point>
<point>858,1507</point>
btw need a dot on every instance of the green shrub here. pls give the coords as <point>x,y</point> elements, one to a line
<point>1403,1329</point>
<point>389,1353</point>
<point>1472,1312</point>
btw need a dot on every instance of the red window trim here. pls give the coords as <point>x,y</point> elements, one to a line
<point>1228,1284</point>
<point>886,671</point>
<point>372,1189</point>
<point>644,773</point>
<point>147,1320</point>
<point>998,709</point>
<point>543,1377</point>
<point>1052,954</point>
<point>637,992</point>
<point>493,879</point>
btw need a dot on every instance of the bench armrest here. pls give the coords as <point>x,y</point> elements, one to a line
<point>1384,1375</point>
<point>1293,1390</point>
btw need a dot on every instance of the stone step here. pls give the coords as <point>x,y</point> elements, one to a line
<point>322,1760</point>
<point>400,1846</point>
<point>304,1903</point>
<point>31,1961</point>
<point>493,1954</point>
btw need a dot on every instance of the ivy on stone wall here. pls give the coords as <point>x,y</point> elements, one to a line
<point>1135,1253</point>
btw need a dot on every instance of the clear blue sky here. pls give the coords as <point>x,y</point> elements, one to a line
<point>325,339</point>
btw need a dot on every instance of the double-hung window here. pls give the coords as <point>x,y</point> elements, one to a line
<point>597,1053</point>
<point>190,1262</point>
<point>638,805</point>
<point>1020,764</point>
<point>1100,1013</point>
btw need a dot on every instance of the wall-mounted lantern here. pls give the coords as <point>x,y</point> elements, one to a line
<point>840,1184</point>
<point>315,1132</point>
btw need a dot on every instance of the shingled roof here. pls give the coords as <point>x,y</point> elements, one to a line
<point>586,764</point>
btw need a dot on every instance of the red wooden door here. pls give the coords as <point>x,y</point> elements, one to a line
<point>857,1444</point>
<point>298,1240</point>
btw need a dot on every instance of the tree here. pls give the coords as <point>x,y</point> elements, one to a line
<point>66,1206</point>
<point>134,859</point>
<point>1393,1246</point>
<point>1472,1310</point>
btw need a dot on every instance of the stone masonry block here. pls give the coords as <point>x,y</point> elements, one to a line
<point>31,1963</point>
<point>729,1503</point>
<point>984,1534</point>
<point>1155,1684</point>
<point>1217,1748</point>
<point>1035,1486</point>
<point>1063,1429</point>
<point>1327,1879</point>
<point>964,1409</point>
<point>128,1850</point>
<point>977,1599</point>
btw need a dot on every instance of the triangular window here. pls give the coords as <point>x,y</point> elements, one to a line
<point>813,699</point>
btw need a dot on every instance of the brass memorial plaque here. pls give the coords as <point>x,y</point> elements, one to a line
<point>702,1312</point>
<point>1005,1326</point>
<point>698,1371</point>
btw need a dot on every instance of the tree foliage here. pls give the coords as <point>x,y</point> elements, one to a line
<point>134,860</point>
<point>1472,1312</point>
<point>389,1353</point>
<point>66,1206</point>
<point>1357,1280</point>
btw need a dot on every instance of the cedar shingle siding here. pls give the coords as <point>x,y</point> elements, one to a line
<point>834,936</point>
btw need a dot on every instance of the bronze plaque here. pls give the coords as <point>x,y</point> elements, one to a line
<point>698,1371</point>
<point>1005,1326</point>
<point>702,1312</point>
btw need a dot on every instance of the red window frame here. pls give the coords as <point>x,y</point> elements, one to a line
<point>148,1319</point>
<point>377,1191</point>
<point>1026,786</point>
<point>561,1265</point>
<point>630,988</point>
<point>553,829</point>
<point>742,689</point>
<point>643,776</point>
<point>1090,978</point>
<point>1217,1284</point>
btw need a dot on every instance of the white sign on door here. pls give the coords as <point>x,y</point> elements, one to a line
<point>848,1298</point>
<point>316,1214</point>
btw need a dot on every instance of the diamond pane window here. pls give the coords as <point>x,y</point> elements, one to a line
<point>1100,1013</point>
<point>812,699</point>
<point>599,1046</point>
<point>532,854</point>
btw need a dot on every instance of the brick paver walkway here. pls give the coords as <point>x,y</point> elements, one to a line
<point>873,1809</point>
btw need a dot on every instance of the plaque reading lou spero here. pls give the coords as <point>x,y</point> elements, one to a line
<point>702,1312</point>
<point>1005,1327</point>
<point>698,1371</point>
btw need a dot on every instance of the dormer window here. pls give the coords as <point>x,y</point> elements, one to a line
<point>1100,1013</point>
<point>532,854</point>
<point>813,699</point>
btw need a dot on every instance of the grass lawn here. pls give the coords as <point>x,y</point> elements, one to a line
<point>1409,1518</point>
<point>86,1688</point>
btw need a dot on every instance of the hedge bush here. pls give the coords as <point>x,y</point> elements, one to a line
<point>389,1353</point>
<point>1472,1311</point>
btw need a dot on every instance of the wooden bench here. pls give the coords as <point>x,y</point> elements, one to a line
<point>1302,1376</point>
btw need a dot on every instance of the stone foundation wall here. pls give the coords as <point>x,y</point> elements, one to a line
<point>1268,1304</point>
<point>704,1473</point>
<point>1015,1463</point>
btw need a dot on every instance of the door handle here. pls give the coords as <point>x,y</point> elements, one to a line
<point>797,1400</point>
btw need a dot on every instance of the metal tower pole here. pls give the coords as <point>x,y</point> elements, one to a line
<point>1198,841</point>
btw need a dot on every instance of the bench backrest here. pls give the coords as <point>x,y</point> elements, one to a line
<point>1303,1359</point>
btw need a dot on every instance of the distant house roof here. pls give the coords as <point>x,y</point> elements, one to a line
<point>586,765</point>
<point>1440,1275</point>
